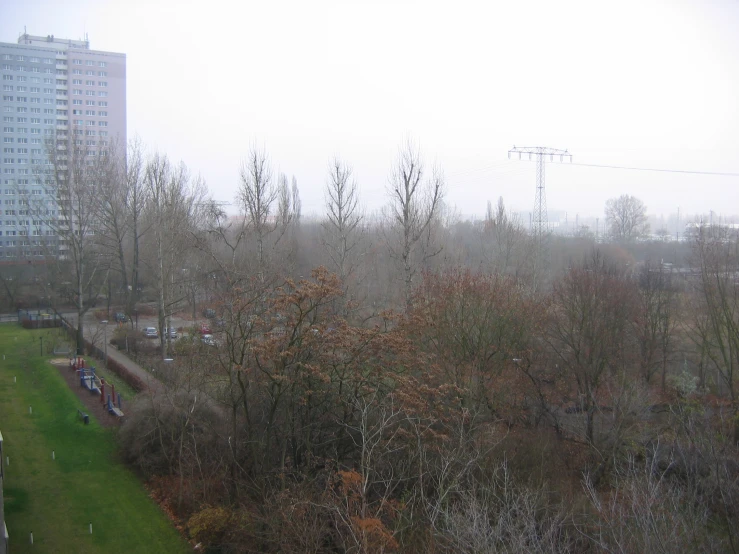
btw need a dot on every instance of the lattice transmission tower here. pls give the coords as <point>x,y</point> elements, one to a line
<point>540,221</point>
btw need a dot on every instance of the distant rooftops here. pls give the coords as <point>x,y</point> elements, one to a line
<point>48,40</point>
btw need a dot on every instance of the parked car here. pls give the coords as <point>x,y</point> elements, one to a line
<point>205,329</point>
<point>120,317</point>
<point>151,333</point>
<point>171,331</point>
<point>209,340</point>
<point>209,313</point>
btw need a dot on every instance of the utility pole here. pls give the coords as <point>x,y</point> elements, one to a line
<point>540,224</point>
<point>678,224</point>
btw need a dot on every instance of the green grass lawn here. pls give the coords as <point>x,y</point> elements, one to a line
<point>58,499</point>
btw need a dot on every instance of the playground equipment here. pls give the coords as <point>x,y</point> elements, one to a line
<point>113,403</point>
<point>96,385</point>
<point>83,416</point>
<point>89,380</point>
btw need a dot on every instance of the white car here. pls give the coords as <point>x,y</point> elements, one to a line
<point>209,340</point>
<point>151,333</point>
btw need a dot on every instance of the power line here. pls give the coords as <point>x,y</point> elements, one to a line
<point>540,218</point>
<point>722,174</point>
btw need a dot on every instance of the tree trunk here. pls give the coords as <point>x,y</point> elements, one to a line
<point>590,424</point>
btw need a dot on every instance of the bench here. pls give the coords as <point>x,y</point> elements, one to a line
<point>83,416</point>
<point>116,411</point>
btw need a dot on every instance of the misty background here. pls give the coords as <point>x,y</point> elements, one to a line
<point>639,84</point>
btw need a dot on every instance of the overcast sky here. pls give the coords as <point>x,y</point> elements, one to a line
<point>631,83</point>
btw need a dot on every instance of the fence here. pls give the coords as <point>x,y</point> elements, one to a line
<point>38,319</point>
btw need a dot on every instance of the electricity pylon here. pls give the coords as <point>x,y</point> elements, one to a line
<point>540,222</point>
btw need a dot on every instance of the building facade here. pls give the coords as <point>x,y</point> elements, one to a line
<point>53,90</point>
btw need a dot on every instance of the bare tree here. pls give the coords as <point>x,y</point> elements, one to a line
<point>656,320</point>
<point>627,218</point>
<point>506,240</point>
<point>592,308</point>
<point>414,204</point>
<point>136,198</point>
<point>76,260</point>
<point>297,203</point>
<point>110,193</point>
<point>342,228</point>
<point>256,195</point>
<point>178,202</point>
<point>716,330</point>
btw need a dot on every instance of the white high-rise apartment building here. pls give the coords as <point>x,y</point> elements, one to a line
<point>51,88</point>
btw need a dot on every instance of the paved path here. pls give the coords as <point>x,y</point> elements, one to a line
<point>92,334</point>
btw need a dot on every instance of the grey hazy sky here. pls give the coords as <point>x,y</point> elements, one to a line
<point>638,83</point>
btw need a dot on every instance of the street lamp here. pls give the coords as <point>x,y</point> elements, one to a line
<point>105,342</point>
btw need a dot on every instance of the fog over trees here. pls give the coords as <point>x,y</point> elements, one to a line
<point>407,381</point>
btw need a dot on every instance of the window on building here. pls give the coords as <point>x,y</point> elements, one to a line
<point>103,93</point>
